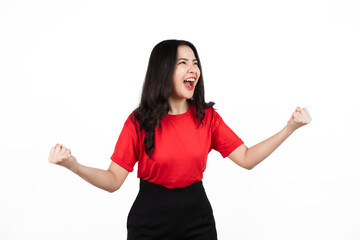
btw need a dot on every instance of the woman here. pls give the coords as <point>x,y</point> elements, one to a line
<point>170,135</point>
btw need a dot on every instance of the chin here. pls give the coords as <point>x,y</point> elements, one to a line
<point>189,96</point>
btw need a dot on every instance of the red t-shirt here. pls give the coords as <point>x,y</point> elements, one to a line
<point>180,150</point>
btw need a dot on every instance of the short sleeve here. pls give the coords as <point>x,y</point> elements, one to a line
<point>126,152</point>
<point>223,139</point>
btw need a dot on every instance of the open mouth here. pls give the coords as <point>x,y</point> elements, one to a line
<point>189,83</point>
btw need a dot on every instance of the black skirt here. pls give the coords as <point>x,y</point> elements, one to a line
<point>159,213</point>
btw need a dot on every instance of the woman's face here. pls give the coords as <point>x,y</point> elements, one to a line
<point>186,73</point>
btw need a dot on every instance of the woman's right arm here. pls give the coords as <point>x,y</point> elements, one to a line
<point>109,180</point>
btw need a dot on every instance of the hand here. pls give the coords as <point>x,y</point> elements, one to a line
<point>62,156</point>
<point>299,118</point>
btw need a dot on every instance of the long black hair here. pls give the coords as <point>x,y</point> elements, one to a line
<point>158,86</point>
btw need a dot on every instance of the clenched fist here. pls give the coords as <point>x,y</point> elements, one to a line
<point>62,156</point>
<point>299,118</point>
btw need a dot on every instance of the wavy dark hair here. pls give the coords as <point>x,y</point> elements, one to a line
<point>158,86</point>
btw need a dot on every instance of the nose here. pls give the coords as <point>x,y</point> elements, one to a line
<point>192,69</point>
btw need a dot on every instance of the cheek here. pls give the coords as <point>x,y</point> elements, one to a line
<point>178,74</point>
<point>198,74</point>
<point>177,84</point>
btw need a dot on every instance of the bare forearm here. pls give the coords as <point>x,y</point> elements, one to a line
<point>250,157</point>
<point>257,153</point>
<point>98,177</point>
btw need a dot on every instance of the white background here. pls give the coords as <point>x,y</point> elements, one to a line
<point>72,71</point>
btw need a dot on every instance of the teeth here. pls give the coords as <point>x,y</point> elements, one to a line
<point>190,80</point>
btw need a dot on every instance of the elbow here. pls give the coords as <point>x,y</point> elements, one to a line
<point>115,182</point>
<point>112,190</point>
<point>247,166</point>
<point>248,162</point>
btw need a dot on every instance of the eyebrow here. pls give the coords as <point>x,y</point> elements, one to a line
<point>186,59</point>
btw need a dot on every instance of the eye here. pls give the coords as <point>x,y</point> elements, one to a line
<point>182,62</point>
<point>196,63</point>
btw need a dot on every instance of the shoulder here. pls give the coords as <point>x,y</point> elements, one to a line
<point>131,122</point>
<point>211,113</point>
<point>211,117</point>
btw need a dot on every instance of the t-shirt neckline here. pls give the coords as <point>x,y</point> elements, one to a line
<point>181,115</point>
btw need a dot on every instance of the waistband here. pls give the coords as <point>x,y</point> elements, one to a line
<point>153,187</point>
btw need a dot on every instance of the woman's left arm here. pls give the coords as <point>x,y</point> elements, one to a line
<point>249,157</point>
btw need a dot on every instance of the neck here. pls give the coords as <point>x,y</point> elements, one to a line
<point>178,106</point>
